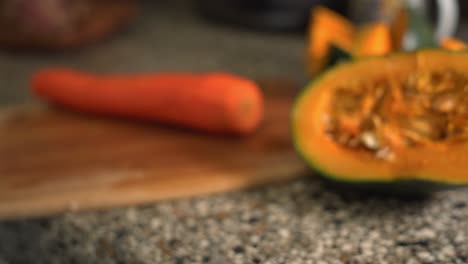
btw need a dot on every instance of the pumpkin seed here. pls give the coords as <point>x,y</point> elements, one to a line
<point>385,154</point>
<point>329,123</point>
<point>376,121</point>
<point>444,103</point>
<point>369,140</point>
<point>428,127</point>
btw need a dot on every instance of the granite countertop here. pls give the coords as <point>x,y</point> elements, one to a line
<point>300,222</point>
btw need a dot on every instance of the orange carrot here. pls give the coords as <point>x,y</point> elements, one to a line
<point>213,102</point>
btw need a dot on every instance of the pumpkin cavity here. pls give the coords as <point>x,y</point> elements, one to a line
<point>390,113</point>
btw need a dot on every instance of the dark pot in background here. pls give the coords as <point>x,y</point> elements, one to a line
<point>270,15</point>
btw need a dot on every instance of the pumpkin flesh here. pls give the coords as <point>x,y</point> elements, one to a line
<point>373,39</point>
<point>453,44</point>
<point>327,28</point>
<point>445,162</point>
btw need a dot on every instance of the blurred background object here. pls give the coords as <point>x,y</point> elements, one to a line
<point>271,15</point>
<point>61,24</point>
<point>284,15</point>
<point>379,27</point>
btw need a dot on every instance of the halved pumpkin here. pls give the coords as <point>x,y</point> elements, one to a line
<point>452,43</point>
<point>373,39</point>
<point>386,151</point>
<point>327,30</point>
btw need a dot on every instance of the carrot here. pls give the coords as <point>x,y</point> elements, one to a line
<point>214,102</point>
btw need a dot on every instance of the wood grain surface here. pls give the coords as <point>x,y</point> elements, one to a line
<point>52,160</point>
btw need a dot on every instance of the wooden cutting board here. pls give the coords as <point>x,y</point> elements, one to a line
<point>52,160</point>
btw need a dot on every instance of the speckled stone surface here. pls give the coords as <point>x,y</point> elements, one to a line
<point>298,222</point>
